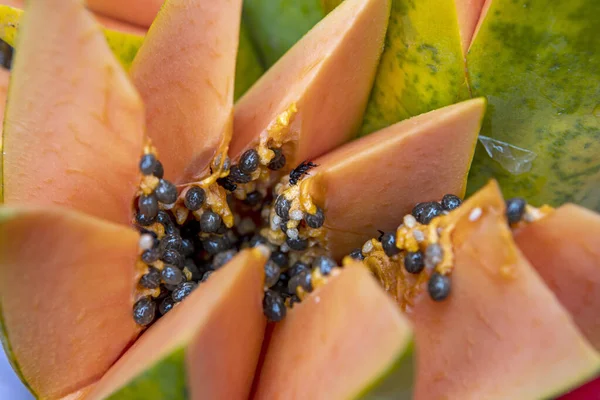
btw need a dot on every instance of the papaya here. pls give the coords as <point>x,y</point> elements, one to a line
<point>412,148</point>
<point>350,309</point>
<point>471,274</point>
<point>125,39</point>
<point>94,261</point>
<point>193,247</point>
<point>468,14</point>
<point>567,242</point>
<point>173,78</point>
<point>181,356</point>
<point>140,13</point>
<point>316,83</point>
<point>93,112</point>
<point>491,274</point>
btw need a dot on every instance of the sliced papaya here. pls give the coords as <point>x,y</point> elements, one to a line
<point>511,325</point>
<point>107,14</point>
<point>371,183</point>
<point>124,39</point>
<point>564,247</point>
<point>349,329</point>
<point>205,348</point>
<point>189,101</point>
<point>308,104</point>
<point>66,294</point>
<point>140,13</point>
<point>317,85</point>
<point>535,61</point>
<point>68,95</point>
<point>422,65</point>
<point>468,13</point>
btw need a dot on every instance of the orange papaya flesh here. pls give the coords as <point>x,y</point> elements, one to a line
<point>207,346</point>
<point>318,86</point>
<point>371,183</point>
<point>140,13</point>
<point>68,95</point>
<point>347,335</point>
<point>512,326</point>
<point>564,248</point>
<point>188,100</point>
<point>80,394</point>
<point>468,13</point>
<point>67,290</point>
<point>118,24</point>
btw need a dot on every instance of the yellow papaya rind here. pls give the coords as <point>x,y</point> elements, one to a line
<point>422,67</point>
<point>537,63</point>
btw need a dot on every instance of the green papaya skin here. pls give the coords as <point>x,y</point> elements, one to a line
<point>538,63</point>
<point>164,380</point>
<point>396,382</point>
<point>422,65</point>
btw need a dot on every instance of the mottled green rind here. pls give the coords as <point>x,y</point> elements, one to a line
<point>166,379</point>
<point>248,67</point>
<point>422,66</point>
<point>275,25</point>
<point>397,382</point>
<point>538,63</point>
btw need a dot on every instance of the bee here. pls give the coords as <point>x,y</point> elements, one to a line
<point>301,170</point>
<point>227,184</point>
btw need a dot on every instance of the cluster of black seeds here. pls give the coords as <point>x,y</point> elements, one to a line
<point>415,262</point>
<point>165,192</point>
<point>190,252</point>
<point>285,280</point>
